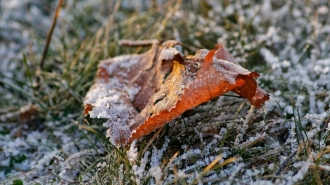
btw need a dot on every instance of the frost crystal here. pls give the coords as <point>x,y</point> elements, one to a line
<point>132,153</point>
<point>229,69</point>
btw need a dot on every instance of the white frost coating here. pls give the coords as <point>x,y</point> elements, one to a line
<point>139,171</point>
<point>238,168</point>
<point>131,91</point>
<point>132,153</point>
<point>101,89</point>
<point>156,157</point>
<point>168,54</point>
<point>262,182</point>
<point>117,132</point>
<point>269,57</point>
<point>108,103</point>
<point>120,62</point>
<point>285,39</point>
<point>201,54</point>
<point>109,100</point>
<point>156,172</point>
<point>229,69</point>
<point>301,173</point>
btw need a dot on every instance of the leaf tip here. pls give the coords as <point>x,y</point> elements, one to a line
<point>88,107</point>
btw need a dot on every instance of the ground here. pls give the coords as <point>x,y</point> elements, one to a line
<point>45,138</point>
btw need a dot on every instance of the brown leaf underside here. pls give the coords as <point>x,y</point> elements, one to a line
<point>163,97</point>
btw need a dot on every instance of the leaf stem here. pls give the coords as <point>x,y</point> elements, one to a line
<point>50,33</point>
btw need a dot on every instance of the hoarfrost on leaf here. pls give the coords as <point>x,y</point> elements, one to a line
<point>142,92</point>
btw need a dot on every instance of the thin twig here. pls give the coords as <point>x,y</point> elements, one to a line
<point>50,33</point>
<point>285,163</point>
<point>151,140</point>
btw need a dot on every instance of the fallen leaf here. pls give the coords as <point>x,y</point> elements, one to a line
<point>142,92</point>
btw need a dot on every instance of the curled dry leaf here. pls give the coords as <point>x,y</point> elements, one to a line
<point>139,93</point>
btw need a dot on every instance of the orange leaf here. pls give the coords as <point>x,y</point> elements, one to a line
<point>140,93</point>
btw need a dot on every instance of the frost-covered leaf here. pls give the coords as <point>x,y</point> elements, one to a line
<point>140,93</point>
